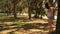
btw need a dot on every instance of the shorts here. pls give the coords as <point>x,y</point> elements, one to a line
<point>50,16</point>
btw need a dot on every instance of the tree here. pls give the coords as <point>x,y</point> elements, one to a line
<point>42,12</point>
<point>58,19</point>
<point>3,5</point>
<point>38,6</point>
<point>14,7</point>
<point>29,8</point>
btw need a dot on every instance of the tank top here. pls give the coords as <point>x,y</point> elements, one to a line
<point>50,12</point>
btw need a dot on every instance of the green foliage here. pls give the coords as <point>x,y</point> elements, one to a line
<point>42,11</point>
<point>19,23</point>
<point>4,5</point>
<point>3,15</point>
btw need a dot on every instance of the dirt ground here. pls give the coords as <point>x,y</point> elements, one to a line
<point>30,28</point>
<point>35,26</point>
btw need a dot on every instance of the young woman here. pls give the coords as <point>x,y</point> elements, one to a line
<point>49,15</point>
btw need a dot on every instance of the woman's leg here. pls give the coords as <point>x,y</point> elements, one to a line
<point>50,25</point>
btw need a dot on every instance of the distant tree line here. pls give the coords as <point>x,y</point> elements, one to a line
<point>14,6</point>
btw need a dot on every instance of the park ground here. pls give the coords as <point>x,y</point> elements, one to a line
<point>22,25</point>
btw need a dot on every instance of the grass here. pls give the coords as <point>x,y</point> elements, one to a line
<point>13,21</point>
<point>3,15</point>
<point>3,18</point>
<point>19,23</point>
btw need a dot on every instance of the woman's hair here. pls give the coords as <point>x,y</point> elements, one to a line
<point>47,5</point>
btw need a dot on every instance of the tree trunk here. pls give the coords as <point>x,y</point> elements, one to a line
<point>29,13</point>
<point>58,19</point>
<point>36,16</point>
<point>14,8</point>
<point>41,16</point>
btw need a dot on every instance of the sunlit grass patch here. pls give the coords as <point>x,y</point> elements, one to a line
<point>3,15</point>
<point>19,23</point>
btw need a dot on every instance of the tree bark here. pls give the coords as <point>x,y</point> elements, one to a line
<point>29,13</point>
<point>29,10</point>
<point>36,13</point>
<point>14,10</point>
<point>15,15</point>
<point>58,19</point>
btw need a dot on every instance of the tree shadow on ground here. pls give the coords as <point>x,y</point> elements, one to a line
<point>27,26</point>
<point>34,26</point>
